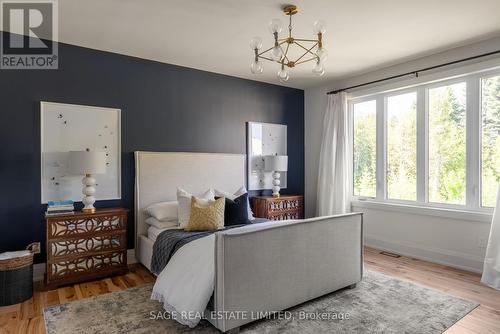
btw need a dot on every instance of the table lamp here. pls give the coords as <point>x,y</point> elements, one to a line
<point>87,163</point>
<point>276,164</point>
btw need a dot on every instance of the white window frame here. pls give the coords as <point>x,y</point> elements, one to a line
<point>385,162</point>
<point>472,209</point>
<point>479,160</point>
<point>351,111</point>
<point>428,87</point>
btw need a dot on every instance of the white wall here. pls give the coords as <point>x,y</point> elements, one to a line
<point>458,243</point>
<point>449,241</point>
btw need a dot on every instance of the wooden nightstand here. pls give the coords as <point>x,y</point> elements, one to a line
<point>278,208</point>
<point>84,246</point>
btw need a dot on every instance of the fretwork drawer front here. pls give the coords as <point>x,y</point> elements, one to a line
<point>281,205</point>
<point>285,216</point>
<point>71,267</point>
<point>87,225</point>
<point>96,243</point>
<point>280,208</point>
<point>86,246</point>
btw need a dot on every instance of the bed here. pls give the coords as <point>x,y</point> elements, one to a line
<point>159,174</point>
<point>257,269</point>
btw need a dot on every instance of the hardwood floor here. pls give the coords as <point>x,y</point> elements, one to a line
<point>27,317</point>
<point>483,320</point>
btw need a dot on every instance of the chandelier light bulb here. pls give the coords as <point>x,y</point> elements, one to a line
<point>283,75</point>
<point>322,54</point>
<point>276,53</point>
<point>275,26</point>
<point>256,67</point>
<point>318,69</point>
<point>256,43</point>
<point>319,27</point>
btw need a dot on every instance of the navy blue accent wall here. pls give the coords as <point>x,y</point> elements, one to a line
<point>164,108</point>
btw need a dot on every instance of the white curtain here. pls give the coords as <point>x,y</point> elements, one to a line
<point>491,269</point>
<point>334,175</point>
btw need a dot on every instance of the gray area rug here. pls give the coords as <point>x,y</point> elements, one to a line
<point>379,304</point>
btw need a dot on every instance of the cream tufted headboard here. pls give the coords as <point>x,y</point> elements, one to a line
<point>159,174</point>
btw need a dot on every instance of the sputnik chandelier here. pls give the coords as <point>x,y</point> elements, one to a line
<point>311,50</point>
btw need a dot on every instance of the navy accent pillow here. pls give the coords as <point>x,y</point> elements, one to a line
<point>236,211</point>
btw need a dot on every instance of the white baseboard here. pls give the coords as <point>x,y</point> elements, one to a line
<point>440,256</point>
<point>39,268</point>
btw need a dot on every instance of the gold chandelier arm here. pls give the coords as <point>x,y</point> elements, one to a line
<point>305,53</point>
<point>286,52</point>
<point>307,50</point>
<point>306,40</point>
<point>266,58</point>
<point>305,61</point>
<point>267,50</point>
<point>298,59</point>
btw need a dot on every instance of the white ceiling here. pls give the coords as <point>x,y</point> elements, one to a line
<point>214,35</point>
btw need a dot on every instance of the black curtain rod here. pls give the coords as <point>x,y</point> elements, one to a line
<point>414,72</point>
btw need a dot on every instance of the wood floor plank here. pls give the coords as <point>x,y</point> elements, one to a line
<point>27,317</point>
<point>66,294</point>
<point>91,289</point>
<point>127,281</point>
<point>36,325</point>
<point>52,298</point>
<point>112,285</point>
<point>405,268</point>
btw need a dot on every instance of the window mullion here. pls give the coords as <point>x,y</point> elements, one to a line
<point>421,145</point>
<point>381,148</point>
<point>473,143</point>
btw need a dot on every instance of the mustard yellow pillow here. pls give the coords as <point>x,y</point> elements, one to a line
<point>206,217</point>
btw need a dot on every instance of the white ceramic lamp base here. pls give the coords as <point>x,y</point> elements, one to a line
<point>88,190</point>
<point>276,184</point>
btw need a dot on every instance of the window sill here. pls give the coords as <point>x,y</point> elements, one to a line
<point>468,215</point>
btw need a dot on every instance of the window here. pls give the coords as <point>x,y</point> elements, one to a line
<point>447,144</point>
<point>365,139</point>
<point>431,145</point>
<point>490,139</point>
<point>402,146</point>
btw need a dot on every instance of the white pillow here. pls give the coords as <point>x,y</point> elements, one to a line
<point>152,221</point>
<point>238,193</point>
<point>164,211</point>
<point>184,199</point>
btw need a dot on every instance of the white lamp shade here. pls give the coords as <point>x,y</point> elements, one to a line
<point>277,163</point>
<point>86,162</point>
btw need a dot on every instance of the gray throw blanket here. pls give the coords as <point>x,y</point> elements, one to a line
<point>169,242</point>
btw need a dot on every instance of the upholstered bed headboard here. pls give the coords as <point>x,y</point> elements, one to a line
<point>159,174</point>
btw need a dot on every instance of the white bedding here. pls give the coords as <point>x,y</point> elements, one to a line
<point>187,282</point>
<point>154,232</point>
